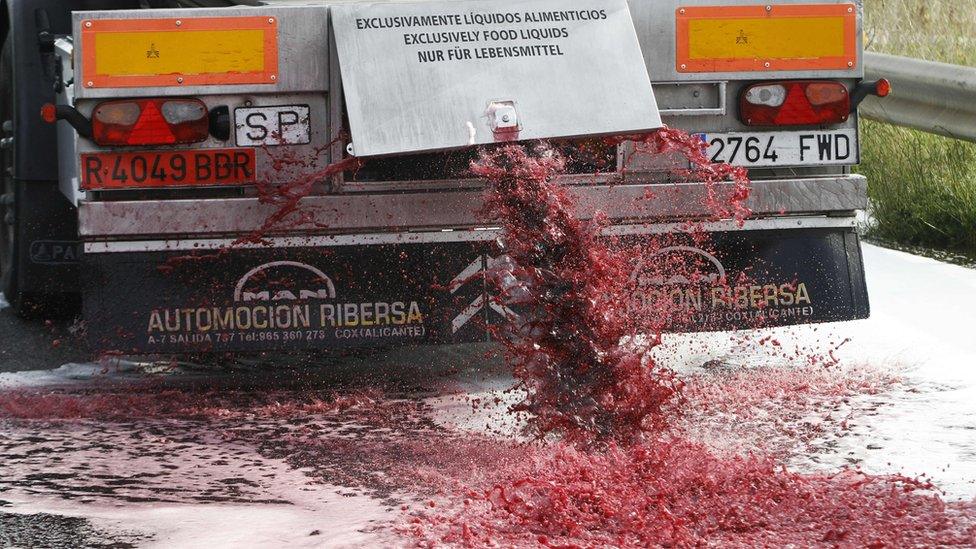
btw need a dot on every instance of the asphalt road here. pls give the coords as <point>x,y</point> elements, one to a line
<point>321,452</point>
<point>34,345</point>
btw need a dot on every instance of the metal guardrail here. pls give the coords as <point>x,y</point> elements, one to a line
<point>933,97</point>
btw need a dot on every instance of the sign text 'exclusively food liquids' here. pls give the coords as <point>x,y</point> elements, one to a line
<point>465,36</point>
<point>437,75</point>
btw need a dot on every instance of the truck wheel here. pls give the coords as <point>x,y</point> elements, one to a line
<point>23,304</point>
<point>7,252</point>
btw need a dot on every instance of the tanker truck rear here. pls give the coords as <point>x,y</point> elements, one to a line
<point>238,176</point>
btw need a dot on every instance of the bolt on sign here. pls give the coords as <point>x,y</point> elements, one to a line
<point>439,75</point>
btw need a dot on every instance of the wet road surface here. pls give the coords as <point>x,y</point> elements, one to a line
<point>322,452</point>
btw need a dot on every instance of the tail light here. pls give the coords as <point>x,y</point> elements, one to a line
<point>882,87</point>
<point>794,103</point>
<point>150,122</point>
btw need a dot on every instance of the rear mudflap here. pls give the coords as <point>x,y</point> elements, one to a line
<point>356,296</point>
<point>752,279</point>
<point>281,298</point>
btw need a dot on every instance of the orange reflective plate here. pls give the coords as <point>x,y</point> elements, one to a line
<point>179,52</point>
<point>754,38</point>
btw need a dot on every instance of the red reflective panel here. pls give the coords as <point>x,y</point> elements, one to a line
<point>150,128</point>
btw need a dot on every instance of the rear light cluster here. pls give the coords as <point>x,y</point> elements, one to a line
<point>150,122</point>
<point>794,103</point>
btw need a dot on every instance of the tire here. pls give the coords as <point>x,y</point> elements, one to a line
<point>25,305</point>
<point>8,240</point>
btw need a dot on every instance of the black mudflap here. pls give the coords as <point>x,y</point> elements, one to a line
<point>48,248</point>
<point>750,279</point>
<point>284,298</point>
<point>386,295</point>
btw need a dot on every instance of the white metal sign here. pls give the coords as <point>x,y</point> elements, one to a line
<point>269,126</point>
<point>793,148</point>
<point>446,74</point>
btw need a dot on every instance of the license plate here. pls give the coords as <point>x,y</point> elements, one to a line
<point>269,126</point>
<point>140,170</point>
<point>770,149</point>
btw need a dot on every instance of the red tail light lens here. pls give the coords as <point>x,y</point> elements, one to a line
<point>49,113</point>
<point>794,103</point>
<point>882,87</point>
<point>150,122</point>
<point>825,93</point>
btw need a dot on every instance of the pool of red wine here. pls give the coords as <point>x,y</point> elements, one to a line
<point>616,468</point>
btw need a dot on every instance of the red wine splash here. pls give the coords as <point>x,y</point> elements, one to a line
<point>567,348</point>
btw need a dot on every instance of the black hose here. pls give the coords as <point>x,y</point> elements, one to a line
<point>77,120</point>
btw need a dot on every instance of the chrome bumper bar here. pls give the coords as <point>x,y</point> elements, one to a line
<point>457,209</point>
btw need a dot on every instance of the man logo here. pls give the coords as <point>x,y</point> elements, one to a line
<point>678,265</point>
<point>284,281</point>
